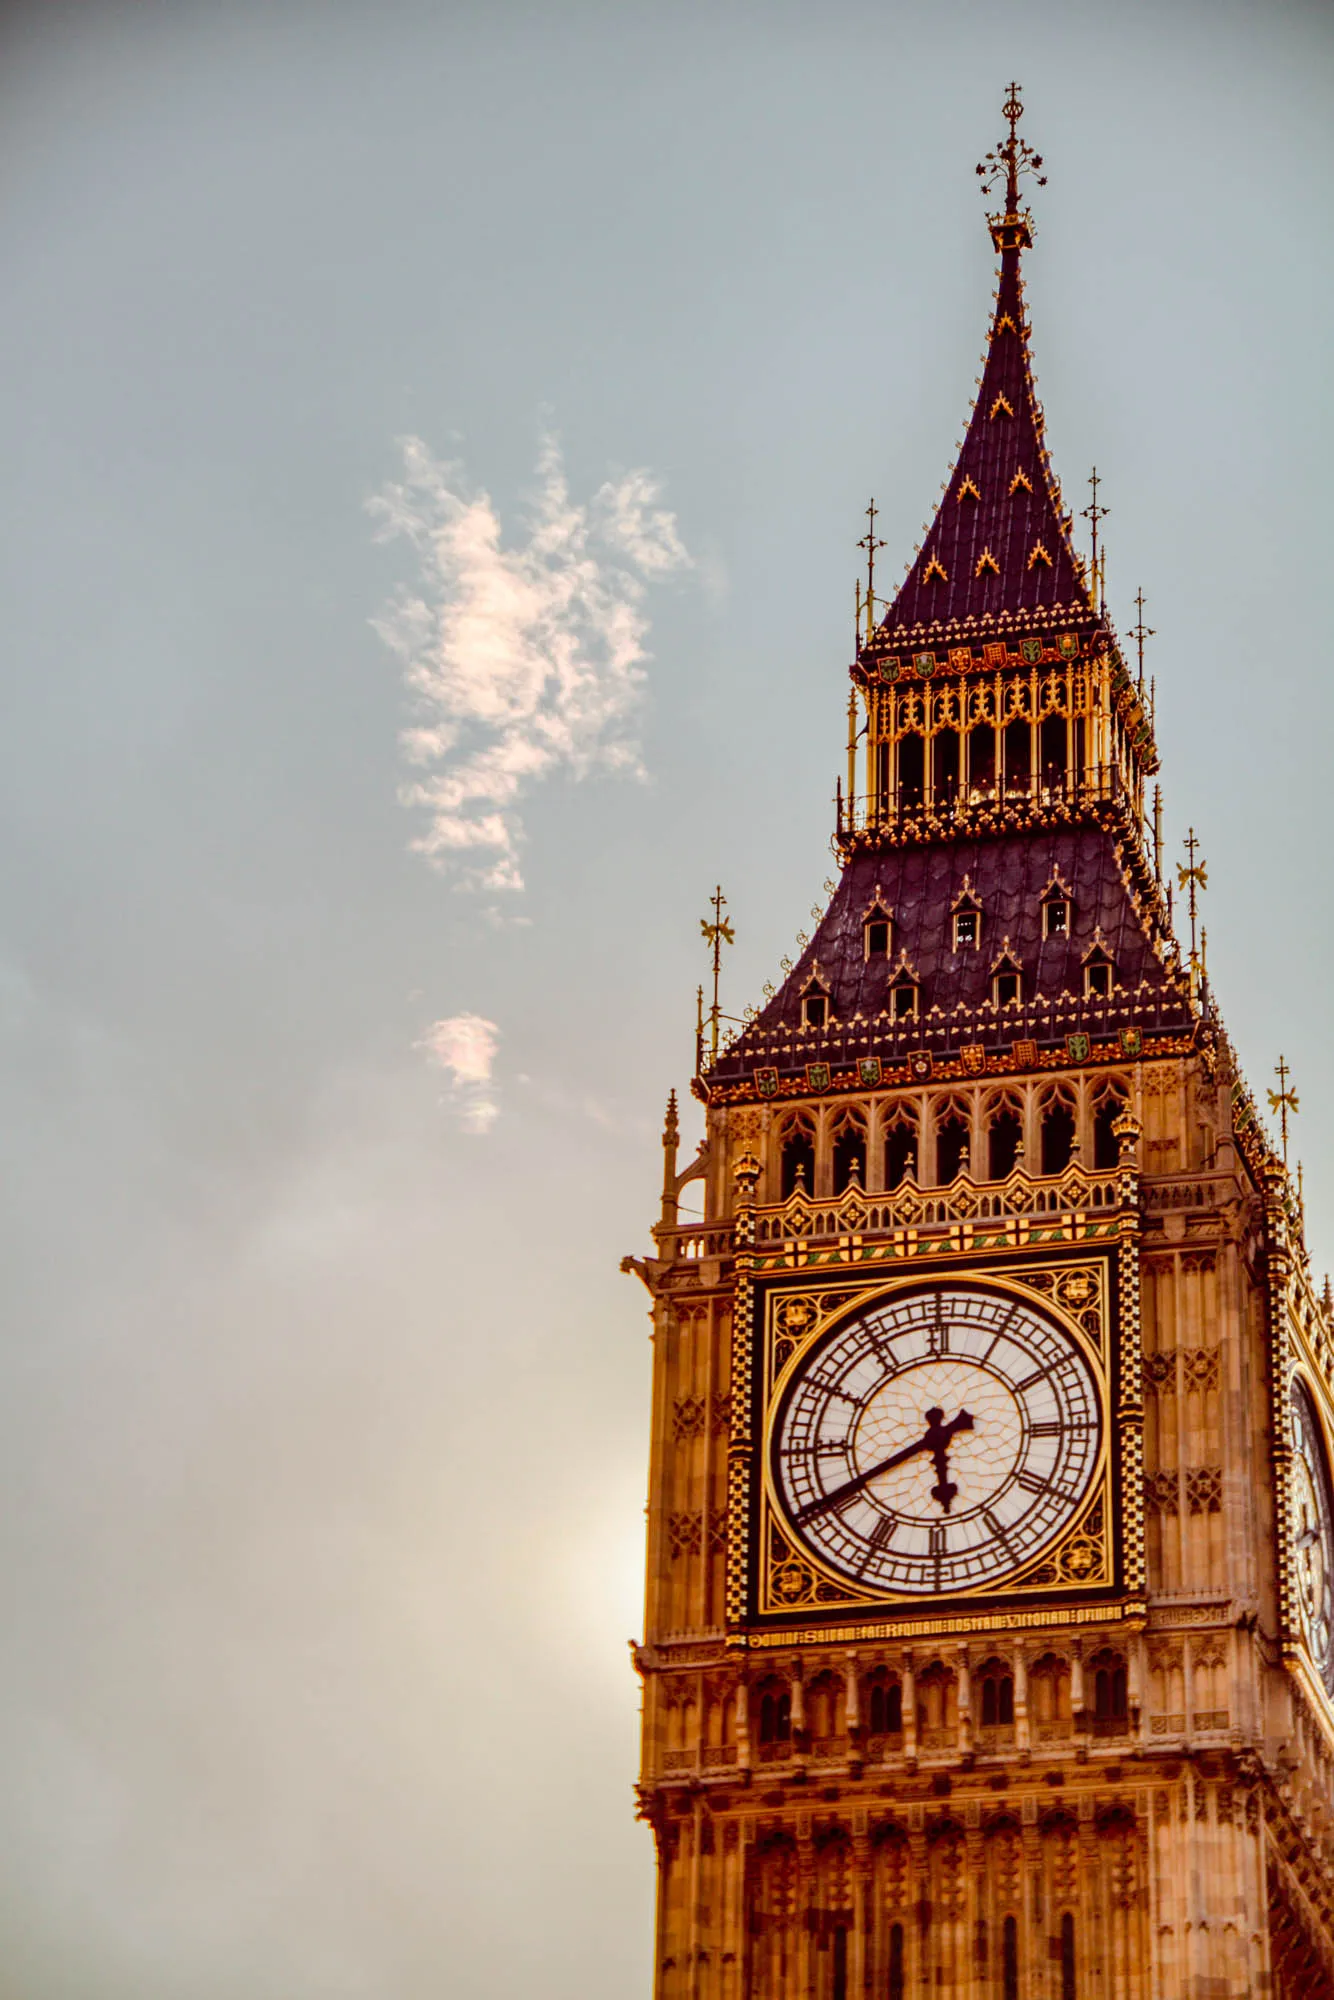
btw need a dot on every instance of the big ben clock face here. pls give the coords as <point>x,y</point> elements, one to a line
<point>937,1442</point>
<point>1313,1534</point>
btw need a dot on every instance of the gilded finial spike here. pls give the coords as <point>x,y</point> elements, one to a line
<point>1283,1100</point>
<point>716,934</point>
<point>1094,514</point>
<point>1012,158</point>
<point>1139,632</point>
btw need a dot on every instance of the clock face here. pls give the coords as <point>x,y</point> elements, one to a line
<point>1313,1533</point>
<point>938,1441</point>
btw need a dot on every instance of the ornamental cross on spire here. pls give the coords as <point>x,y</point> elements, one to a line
<point>1011,158</point>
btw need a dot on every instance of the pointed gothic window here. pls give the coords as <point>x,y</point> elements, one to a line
<point>967,488</point>
<point>797,1157</point>
<point>877,932</point>
<point>1005,324</point>
<point>1002,407</point>
<point>1058,1132</point>
<point>1039,555</point>
<point>1010,1960</point>
<point>849,1154</point>
<point>987,562</point>
<point>997,1695</point>
<point>1109,1687</point>
<point>775,1716</point>
<point>934,569</point>
<point>951,1144</point>
<point>900,1151</point>
<point>1021,483</point>
<point>885,1706</point>
<point>1004,1136</point>
<point>1068,1957</point>
<point>1106,1144</point>
<point>1099,973</point>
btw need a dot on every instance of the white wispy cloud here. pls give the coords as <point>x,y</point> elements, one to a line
<point>524,656</point>
<point>464,1049</point>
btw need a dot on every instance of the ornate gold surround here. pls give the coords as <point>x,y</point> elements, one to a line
<point>790,1583</point>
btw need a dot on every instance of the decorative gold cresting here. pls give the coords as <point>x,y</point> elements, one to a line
<point>1013,228</point>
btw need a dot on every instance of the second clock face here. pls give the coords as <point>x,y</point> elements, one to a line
<point>1313,1533</point>
<point>937,1442</point>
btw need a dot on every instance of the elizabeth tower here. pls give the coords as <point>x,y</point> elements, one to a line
<point>989,1644</point>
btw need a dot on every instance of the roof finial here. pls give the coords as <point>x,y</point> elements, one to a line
<point>1283,1100</point>
<point>1097,512</point>
<point>716,934</point>
<point>1139,633</point>
<point>1014,229</point>
<point>870,541</point>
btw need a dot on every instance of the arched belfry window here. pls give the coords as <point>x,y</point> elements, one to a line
<point>1059,1130</point>
<point>797,1157</point>
<point>1106,1143</point>
<point>1005,1137</point>
<point>849,1153</point>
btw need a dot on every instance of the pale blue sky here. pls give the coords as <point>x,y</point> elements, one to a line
<point>324,1417</point>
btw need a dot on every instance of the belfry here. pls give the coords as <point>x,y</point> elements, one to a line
<point>989,1641</point>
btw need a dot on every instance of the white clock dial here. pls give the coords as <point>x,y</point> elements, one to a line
<point>938,1441</point>
<point>1313,1533</point>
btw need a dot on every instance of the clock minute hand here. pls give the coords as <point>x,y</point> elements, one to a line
<point>935,1439</point>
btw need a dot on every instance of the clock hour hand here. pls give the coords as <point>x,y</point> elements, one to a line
<point>936,1439</point>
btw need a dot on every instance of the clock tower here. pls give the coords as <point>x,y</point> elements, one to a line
<point>989,1637</point>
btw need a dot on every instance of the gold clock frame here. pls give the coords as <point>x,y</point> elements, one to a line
<point>789,1583</point>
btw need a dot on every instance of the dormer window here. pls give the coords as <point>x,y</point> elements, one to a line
<point>815,1006</point>
<point>877,932</point>
<point>1056,917</point>
<point>1005,982</point>
<point>966,918</point>
<point>903,998</point>
<point>1099,973</point>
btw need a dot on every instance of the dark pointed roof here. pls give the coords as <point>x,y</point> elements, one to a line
<point>919,887</point>
<point>1000,542</point>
